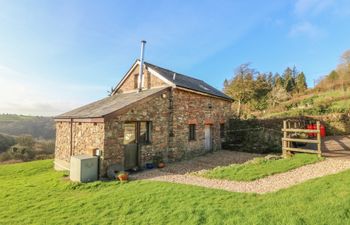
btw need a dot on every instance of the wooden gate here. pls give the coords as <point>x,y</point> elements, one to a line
<point>288,140</point>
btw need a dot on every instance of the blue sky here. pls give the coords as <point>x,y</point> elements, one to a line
<point>57,55</point>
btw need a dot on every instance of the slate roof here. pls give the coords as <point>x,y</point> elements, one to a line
<point>187,81</point>
<point>108,105</point>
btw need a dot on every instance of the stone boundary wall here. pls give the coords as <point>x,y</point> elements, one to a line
<point>264,135</point>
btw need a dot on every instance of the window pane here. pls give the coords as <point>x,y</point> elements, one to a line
<point>145,132</point>
<point>129,133</point>
<point>192,132</point>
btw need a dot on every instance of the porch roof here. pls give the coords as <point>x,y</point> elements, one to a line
<point>109,105</point>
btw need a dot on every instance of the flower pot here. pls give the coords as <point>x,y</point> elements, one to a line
<point>149,165</point>
<point>161,165</point>
<point>123,177</point>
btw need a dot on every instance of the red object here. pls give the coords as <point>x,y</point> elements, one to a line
<point>309,127</point>
<point>314,127</point>
<point>323,131</point>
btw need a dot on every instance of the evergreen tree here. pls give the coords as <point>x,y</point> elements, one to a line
<point>289,81</point>
<point>270,79</point>
<point>300,83</point>
<point>278,80</point>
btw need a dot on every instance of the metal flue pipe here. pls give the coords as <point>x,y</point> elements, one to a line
<point>140,78</point>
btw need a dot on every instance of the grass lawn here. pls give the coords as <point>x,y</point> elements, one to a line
<point>32,193</point>
<point>260,167</point>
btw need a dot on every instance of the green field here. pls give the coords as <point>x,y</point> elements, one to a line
<point>260,167</point>
<point>32,193</point>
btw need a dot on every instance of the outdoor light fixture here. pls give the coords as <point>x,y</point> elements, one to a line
<point>163,95</point>
<point>210,105</point>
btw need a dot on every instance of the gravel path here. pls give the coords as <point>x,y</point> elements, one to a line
<point>268,184</point>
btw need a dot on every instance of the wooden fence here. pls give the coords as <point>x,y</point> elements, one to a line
<point>287,140</point>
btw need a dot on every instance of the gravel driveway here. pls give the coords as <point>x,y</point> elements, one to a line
<point>179,173</point>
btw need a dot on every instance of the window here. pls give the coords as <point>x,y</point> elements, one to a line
<point>129,133</point>
<point>145,132</point>
<point>192,132</point>
<point>222,130</point>
<point>136,78</point>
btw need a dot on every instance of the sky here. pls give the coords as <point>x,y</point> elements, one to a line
<point>60,54</point>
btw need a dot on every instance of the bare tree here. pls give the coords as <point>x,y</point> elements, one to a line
<point>277,95</point>
<point>241,86</point>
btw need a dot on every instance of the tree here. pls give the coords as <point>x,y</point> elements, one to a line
<point>344,69</point>
<point>110,92</point>
<point>332,80</point>
<point>300,83</point>
<point>262,87</point>
<point>270,79</point>
<point>26,140</point>
<point>241,86</point>
<point>6,142</point>
<point>289,82</point>
<point>277,95</point>
<point>345,58</point>
<point>278,80</point>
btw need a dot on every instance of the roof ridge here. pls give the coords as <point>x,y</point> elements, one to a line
<point>172,71</point>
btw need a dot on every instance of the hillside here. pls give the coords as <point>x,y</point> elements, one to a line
<point>267,95</point>
<point>37,126</point>
<point>313,103</point>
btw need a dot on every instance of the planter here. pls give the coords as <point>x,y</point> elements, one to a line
<point>161,165</point>
<point>123,177</point>
<point>149,165</point>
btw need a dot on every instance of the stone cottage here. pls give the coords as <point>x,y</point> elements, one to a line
<point>160,113</point>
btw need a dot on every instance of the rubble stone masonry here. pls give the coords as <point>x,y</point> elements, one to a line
<point>149,81</point>
<point>83,138</point>
<point>170,111</point>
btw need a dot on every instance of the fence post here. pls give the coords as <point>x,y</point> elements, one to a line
<point>318,139</point>
<point>284,143</point>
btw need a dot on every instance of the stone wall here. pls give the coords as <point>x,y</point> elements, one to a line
<point>170,111</point>
<point>85,136</point>
<point>155,110</point>
<point>187,107</point>
<point>264,135</point>
<point>63,138</point>
<point>335,123</point>
<point>193,108</point>
<point>149,81</point>
<point>257,136</point>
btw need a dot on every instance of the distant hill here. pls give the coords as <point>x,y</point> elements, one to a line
<point>36,126</point>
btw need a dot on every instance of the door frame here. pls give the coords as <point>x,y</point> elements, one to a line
<point>137,139</point>
<point>136,145</point>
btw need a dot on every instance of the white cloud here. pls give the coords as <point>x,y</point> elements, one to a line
<point>312,7</point>
<point>22,93</point>
<point>306,29</point>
